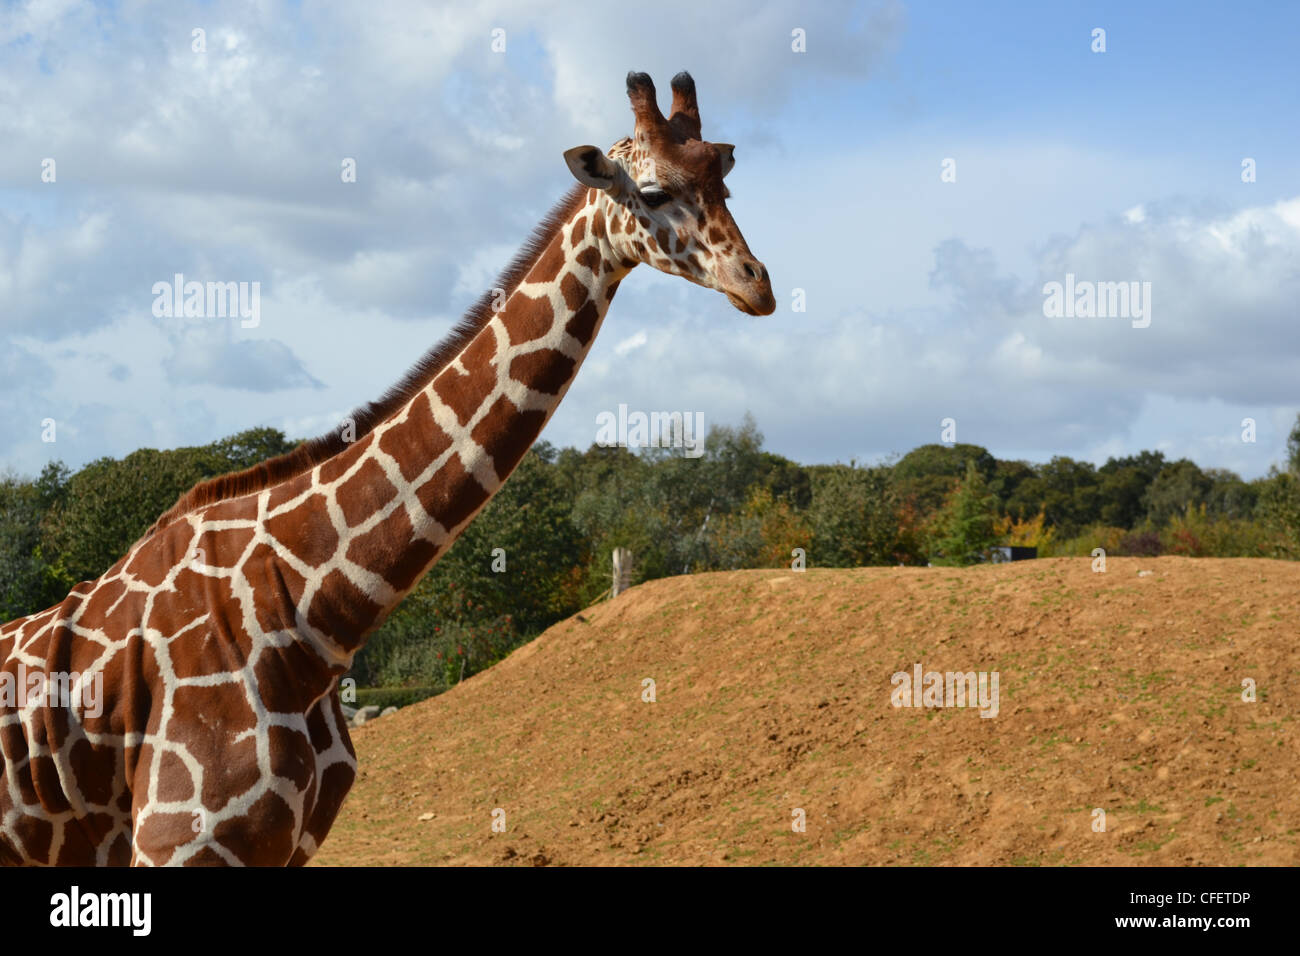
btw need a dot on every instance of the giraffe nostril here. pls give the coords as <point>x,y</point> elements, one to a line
<point>765,279</point>
<point>750,270</point>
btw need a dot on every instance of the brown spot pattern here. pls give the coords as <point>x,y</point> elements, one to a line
<point>506,433</point>
<point>575,293</point>
<point>367,491</point>
<point>545,370</point>
<point>306,531</point>
<point>464,394</point>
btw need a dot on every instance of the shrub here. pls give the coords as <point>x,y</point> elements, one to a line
<point>855,517</point>
<point>1198,534</point>
<point>410,651</point>
<point>762,535</point>
<point>1098,535</point>
<point>1028,533</point>
<point>1141,544</point>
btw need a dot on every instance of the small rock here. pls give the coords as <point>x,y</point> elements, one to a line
<point>1145,574</point>
<point>387,711</point>
<point>369,712</point>
<point>348,712</point>
<point>425,817</point>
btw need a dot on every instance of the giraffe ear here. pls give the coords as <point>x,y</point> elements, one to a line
<point>591,167</point>
<point>727,152</point>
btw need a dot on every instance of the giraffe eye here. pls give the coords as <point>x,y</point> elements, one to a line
<point>654,197</point>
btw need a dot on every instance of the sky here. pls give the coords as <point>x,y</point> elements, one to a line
<point>916,176</point>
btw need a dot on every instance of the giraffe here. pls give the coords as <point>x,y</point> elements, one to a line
<point>220,637</point>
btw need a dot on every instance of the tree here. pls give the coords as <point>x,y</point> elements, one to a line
<point>1065,490</point>
<point>762,534</point>
<point>1279,509</point>
<point>966,527</point>
<point>1229,496</point>
<point>247,448</point>
<point>1123,483</point>
<point>1278,501</point>
<point>1008,477</point>
<point>21,568</point>
<point>1179,484</point>
<point>854,517</point>
<point>664,506</point>
<point>927,474</point>
<point>1293,448</point>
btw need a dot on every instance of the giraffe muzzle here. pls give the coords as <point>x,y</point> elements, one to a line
<point>751,289</point>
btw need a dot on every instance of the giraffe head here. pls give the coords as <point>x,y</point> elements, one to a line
<point>667,203</point>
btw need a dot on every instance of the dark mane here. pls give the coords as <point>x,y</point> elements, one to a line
<point>311,453</point>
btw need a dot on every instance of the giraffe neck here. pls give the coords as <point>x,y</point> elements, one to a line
<point>400,496</point>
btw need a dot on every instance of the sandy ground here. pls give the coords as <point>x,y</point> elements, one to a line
<point>1118,692</point>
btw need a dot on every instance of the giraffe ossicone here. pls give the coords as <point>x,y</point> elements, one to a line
<point>219,639</point>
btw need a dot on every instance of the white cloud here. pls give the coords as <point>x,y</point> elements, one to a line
<point>631,343</point>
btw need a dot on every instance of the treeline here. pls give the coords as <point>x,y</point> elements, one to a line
<point>541,549</point>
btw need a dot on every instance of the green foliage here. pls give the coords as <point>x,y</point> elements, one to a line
<point>28,578</point>
<point>1278,502</point>
<point>21,567</point>
<point>927,475</point>
<point>666,507</point>
<point>1123,486</point>
<point>855,517</point>
<point>1142,543</point>
<point>1201,533</point>
<point>764,533</point>
<point>966,528</point>
<point>111,503</point>
<point>247,448</point>
<point>1229,496</point>
<point>1096,535</point>
<point>1179,485</point>
<point>416,648</point>
<point>1006,481</point>
<point>1065,490</point>
<point>1279,506</point>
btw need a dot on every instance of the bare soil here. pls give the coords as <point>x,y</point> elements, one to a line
<point>1118,692</point>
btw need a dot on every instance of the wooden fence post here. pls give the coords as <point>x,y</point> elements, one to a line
<point>622,572</point>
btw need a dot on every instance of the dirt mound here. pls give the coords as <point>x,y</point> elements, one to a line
<point>1118,691</point>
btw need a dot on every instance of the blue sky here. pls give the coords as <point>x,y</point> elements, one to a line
<point>924,297</point>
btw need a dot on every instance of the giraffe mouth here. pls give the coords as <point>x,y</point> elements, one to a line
<point>745,307</point>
